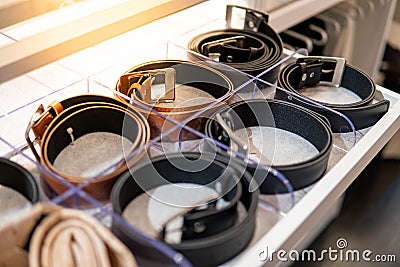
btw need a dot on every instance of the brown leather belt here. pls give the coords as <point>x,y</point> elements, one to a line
<point>137,83</point>
<point>53,236</point>
<point>84,114</point>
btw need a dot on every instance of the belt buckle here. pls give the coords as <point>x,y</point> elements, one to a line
<point>39,122</point>
<point>245,148</point>
<point>198,226</point>
<point>205,48</point>
<point>144,86</point>
<point>244,18</point>
<point>313,76</point>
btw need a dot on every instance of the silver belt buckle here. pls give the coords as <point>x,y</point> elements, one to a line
<point>337,72</point>
<point>205,48</point>
<point>238,17</point>
<point>145,86</point>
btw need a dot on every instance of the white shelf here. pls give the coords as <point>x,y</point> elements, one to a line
<point>41,42</point>
<point>307,214</point>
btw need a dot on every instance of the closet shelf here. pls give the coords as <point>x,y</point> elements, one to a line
<point>306,216</point>
<point>297,11</point>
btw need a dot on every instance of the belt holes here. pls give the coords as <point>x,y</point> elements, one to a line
<point>251,24</point>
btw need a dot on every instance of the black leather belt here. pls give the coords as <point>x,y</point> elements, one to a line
<point>84,114</point>
<point>309,71</point>
<point>137,83</point>
<point>18,178</point>
<point>210,235</point>
<point>253,49</point>
<point>281,115</point>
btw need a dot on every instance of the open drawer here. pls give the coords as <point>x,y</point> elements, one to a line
<point>85,72</point>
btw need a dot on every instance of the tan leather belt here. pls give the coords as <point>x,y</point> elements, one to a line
<point>53,236</point>
<point>138,82</point>
<point>84,114</point>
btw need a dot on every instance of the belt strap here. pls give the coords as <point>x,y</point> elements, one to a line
<point>136,83</point>
<point>252,49</point>
<point>84,114</point>
<point>334,72</point>
<point>286,116</point>
<point>53,236</point>
<point>210,235</point>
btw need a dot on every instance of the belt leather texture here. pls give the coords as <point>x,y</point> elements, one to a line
<point>84,114</point>
<point>252,50</point>
<point>192,74</point>
<point>221,235</point>
<point>18,178</point>
<point>49,235</point>
<point>310,71</point>
<point>281,115</point>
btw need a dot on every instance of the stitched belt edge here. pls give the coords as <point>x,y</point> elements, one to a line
<point>151,65</point>
<point>158,123</point>
<point>208,251</point>
<point>66,109</point>
<point>362,113</point>
<point>300,175</point>
<point>271,56</point>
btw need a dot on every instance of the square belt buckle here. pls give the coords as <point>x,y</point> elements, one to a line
<point>206,47</point>
<point>144,81</point>
<point>238,17</point>
<point>312,68</point>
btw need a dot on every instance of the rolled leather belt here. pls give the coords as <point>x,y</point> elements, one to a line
<point>252,50</point>
<point>210,235</point>
<point>137,83</point>
<point>53,236</point>
<point>18,178</point>
<point>84,114</point>
<point>334,72</point>
<point>286,116</point>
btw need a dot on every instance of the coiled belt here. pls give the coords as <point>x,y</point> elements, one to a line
<point>334,72</point>
<point>253,49</point>
<point>210,235</point>
<point>175,75</point>
<point>280,115</point>
<point>53,236</point>
<point>84,114</point>
<point>18,178</point>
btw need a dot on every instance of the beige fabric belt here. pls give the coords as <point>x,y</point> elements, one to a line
<point>64,237</point>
